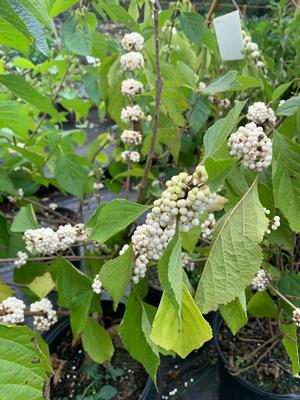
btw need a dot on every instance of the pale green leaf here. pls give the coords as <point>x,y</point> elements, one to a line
<point>235,255</point>
<point>117,13</point>
<point>186,75</point>
<point>25,219</point>
<point>133,172</point>
<point>290,343</point>
<point>262,305</point>
<point>97,342</point>
<point>24,90</point>
<point>190,238</point>
<point>116,274</point>
<point>170,273</point>
<point>24,367</point>
<point>280,90</point>
<point>286,178</point>
<point>289,107</point>
<point>235,313</point>
<point>166,330</point>
<point>135,331</point>
<point>10,36</point>
<point>222,84</point>
<point>15,117</point>
<point>78,41</point>
<point>116,216</point>
<point>58,6</point>
<point>5,291</point>
<point>42,285</point>
<point>39,10</point>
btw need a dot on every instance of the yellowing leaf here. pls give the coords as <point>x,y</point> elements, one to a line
<point>166,331</point>
<point>235,254</point>
<point>42,285</point>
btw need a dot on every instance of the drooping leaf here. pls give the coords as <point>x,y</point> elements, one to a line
<point>261,305</point>
<point>222,84</point>
<point>97,342</point>
<point>24,90</point>
<point>235,313</point>
<point>74,292</point>
<point>25,219</point>
<point>116,274</point>
<point>77,38</point>
<point>286,178</point>
<point>24,366</point>
<point>280,90</point>
<point>116,216</point>
<point>70,174</point>
<point>289,107</point>
<point>290,343</point>
<point>170,273</point>
<point>135,331</point>
<point>235,254</point>
<point>166,330</point>
<point>192,25</point>
<point>190,238</point>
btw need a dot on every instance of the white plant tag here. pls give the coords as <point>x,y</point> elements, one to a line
<point>229,36</point>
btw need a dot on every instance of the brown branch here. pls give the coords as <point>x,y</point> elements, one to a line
<point>213,8</point>
<point>159,85</point>
<point>61,313</point>
<point>50,258</point>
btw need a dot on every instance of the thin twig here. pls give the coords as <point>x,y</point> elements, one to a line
<point>213,8</point>
<point>48,209</point>
<point>50,258</point>
<point>159,85</point>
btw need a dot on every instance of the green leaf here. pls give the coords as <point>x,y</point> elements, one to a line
<point>217,134</point>
<point>6,184</point>
<point>70,174</point>
<point>24,366</point>
<point>235,313</point>
<point>116,216</point>
<point>133,172</point>
<point>5,291</point>
<point>192,25</point>
<point>246,82</point>
<point>235,254</point>
<point>186,74</point>
<point>8,14</point>
<point>261,305</point>
<point>25,219</point>
<point>39,10</point>
<point>190,238</point>
<point>10,36</point>
<point>289,285</point>
<point>24,90</point>
<point>33,25</point>
<point>167,333</point>
<point>286,178</point>
<point>76,38</point>
<point>15,117</point>
<point>116,274</point>
<point>170,272</point>
<point>222,84</point>
<point>97,342</point>
<point>289,107</point>
<point>107,392</point>
<point>280,90</point>
<point>42,285</point>
<point>217,170</point>
<point>290,343</point>
<point>58,6</point>
<point>117,13</point>
<point>135,331</point>
<point>74,292</point>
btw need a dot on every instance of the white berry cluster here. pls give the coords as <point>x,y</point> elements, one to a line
<point>132,61</point>
<point>97,284</point>
<point>46,241</point>
<point>207,227</point>
<point>21,259</point>
<point>53,206</point>
<point>252,145</point>
<point>132,114</point>
<point>128,155</point>
<point>131,137</point>
<point>252,50</point>
<point>261,281</point>
<point>296,316</point>
<point>131,87</point>
<point>275,224</point>
<point>13,310</point>
<point>49,317</point>
<point>98,185</point>
<point>187,263</point>
<point>180,204</point>
<point>133,42</point>
<point>224,103</point>
<point>261,114</point>
<point>18,196</point>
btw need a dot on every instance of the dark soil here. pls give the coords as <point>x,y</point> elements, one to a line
<point>73,375</point>
<point>272,372</point>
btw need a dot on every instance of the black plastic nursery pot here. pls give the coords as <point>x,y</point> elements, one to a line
<point>58,331</point>
<point>234,387</point>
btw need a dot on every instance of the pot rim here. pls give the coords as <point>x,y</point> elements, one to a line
<point>217,324</point>
<point>51,336</point>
